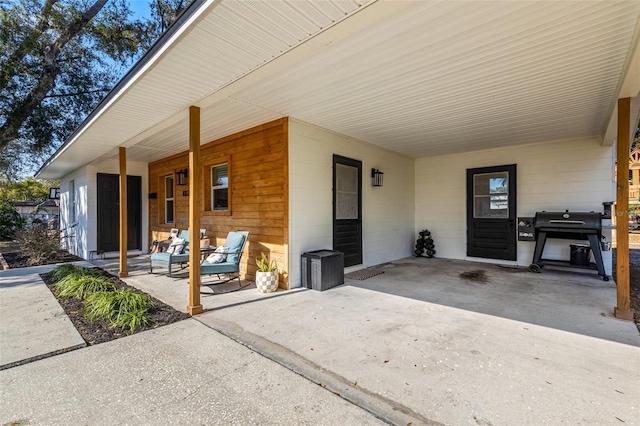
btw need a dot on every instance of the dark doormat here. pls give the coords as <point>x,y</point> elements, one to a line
<point>362,274</point>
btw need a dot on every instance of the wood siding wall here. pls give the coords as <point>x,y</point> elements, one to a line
<point>258,193</point>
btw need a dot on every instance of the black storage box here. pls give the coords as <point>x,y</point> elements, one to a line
<point>580,254</point>
<point>322,269</point>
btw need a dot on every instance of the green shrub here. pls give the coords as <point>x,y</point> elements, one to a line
<point>82,283</point>
<point>132,320</point>
<point>63,270</point>
<point>124,308</point>
<point>10,221</point>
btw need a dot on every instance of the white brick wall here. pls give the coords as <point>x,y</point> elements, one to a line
<point>388,211</point>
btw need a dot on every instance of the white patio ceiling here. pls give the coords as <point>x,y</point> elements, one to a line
<point>421,78</point>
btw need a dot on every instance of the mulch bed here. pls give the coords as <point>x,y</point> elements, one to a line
<point>17,260</point>
<point>94,332</point>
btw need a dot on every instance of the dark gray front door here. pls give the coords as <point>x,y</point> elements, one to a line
<point>347,209</point>
<point>491,212</point>
<point>109,212</point>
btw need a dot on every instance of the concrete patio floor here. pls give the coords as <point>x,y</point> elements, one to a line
<point>517,348</point>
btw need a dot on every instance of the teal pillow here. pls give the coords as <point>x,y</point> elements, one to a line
<point>235,240</point>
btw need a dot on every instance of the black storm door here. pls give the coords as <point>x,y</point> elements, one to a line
<point>109,213</point>
<point>491,212</point>
<point>347,209</point>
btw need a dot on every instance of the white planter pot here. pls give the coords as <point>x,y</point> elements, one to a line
<point>267,282</point>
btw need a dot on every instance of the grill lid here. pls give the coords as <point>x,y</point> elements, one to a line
<point>568,220</point>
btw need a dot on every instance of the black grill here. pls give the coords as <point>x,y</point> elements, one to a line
<point>564,221</point>
<point>569,226</point>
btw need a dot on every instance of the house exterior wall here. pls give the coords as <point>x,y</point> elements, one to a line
<point>257,160</point>
<point>387,211</point>
<point>576,175</point>
<point>86,204</point>
<point>75,231</point>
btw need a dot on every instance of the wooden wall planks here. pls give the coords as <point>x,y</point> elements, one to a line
<point>258,190</point>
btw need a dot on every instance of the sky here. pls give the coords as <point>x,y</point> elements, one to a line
<point>140,8</point>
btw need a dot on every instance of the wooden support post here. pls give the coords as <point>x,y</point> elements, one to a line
<point>195,200</point>
<point>623,309</point>
<point>123,271</point>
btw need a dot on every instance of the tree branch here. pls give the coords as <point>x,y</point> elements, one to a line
<point>85,92</point>
<point>9,67</point>
<point>10,129</point>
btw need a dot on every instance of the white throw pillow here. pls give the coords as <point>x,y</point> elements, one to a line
<point>219,255</point>
<point>176,246</point>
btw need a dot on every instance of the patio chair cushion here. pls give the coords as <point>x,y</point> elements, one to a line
<point>207,268</point>
<point>219,255</point>
<point>235,241</point>
<point>176,246</point>
<point>168,257</point>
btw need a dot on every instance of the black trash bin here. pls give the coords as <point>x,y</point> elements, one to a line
<point>322,269</point>
<point>580,254</point>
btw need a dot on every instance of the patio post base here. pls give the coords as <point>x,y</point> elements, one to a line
<point>626,315</point>
<point>194,310</point>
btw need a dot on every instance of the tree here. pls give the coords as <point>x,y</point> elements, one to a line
<point>29,189</point>
<point>58,59</point>
<point>10,220</point>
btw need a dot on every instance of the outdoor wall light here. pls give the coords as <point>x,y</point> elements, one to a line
<point>181,176</point>
<point>376,177</point>
<point>54,193</point>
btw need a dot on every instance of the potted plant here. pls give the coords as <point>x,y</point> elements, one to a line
<point>267,275</point>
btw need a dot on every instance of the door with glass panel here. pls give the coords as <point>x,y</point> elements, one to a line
<point>347,209</point>
<point>491,212</point>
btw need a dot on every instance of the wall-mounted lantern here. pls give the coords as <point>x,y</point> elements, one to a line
<point>181,176</point>
<point>54,193</point>
<point>376,177</point>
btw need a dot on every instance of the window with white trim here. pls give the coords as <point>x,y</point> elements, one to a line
<point>220,187</point>
<point>168,199</point>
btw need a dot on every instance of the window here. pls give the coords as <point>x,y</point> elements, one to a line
<point>491,195</point>
<point>168,199</point>
<point>346,192</point>
<point>220,187</point>
<point>72,202</point>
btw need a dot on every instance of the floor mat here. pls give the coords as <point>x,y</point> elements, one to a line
<point>362,274</point>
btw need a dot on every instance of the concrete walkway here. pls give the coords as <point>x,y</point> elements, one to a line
<point>183,373</point>
<point>32,322</point>
<point>417,344</point>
